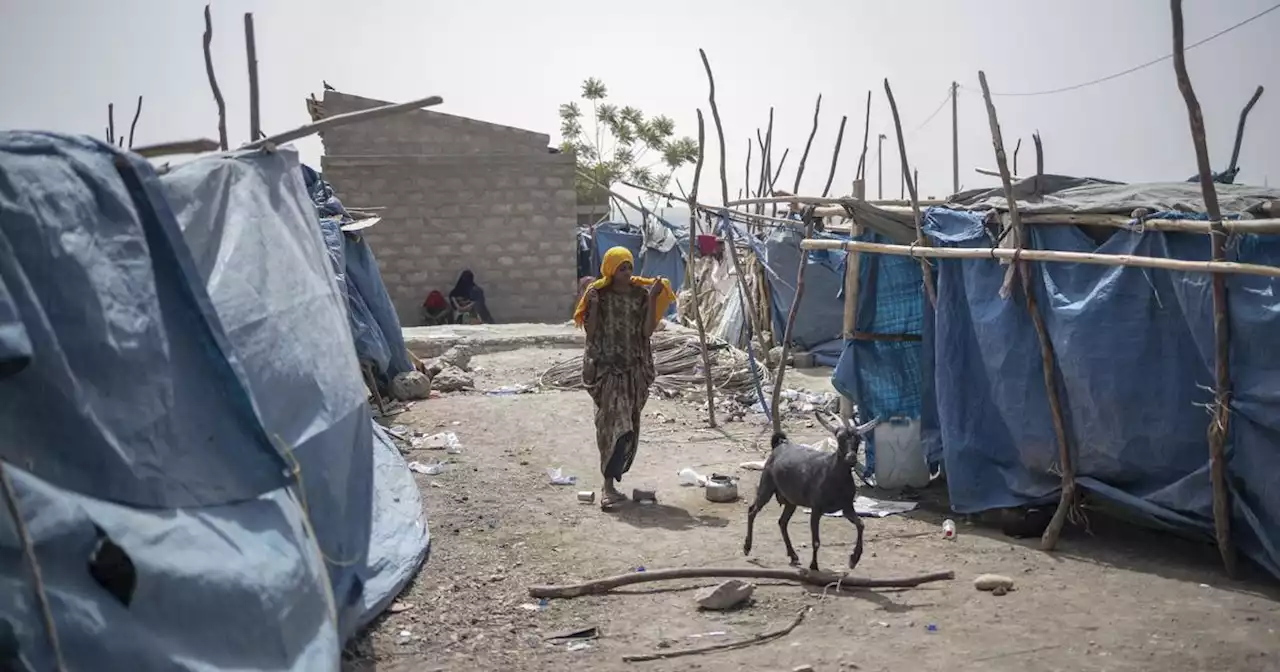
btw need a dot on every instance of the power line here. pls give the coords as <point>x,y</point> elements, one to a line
<point>1142,66</point>
<point>922,124</point>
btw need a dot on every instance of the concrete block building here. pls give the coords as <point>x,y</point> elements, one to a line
<point>459,193</point>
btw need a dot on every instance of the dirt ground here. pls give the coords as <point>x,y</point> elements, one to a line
<point>1119,599</point>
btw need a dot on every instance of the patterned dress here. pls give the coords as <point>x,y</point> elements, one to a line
<point>617,370</point>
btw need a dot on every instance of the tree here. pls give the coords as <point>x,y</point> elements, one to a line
<point>619,144</point>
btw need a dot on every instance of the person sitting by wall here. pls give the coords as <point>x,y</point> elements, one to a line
<point>436,310</point>
<point>467,299</point>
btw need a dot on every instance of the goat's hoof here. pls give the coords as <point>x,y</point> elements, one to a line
<point>746,550</point>
<point>813,566</point>
<point>794,562</point>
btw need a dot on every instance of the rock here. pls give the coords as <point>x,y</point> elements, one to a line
<point>727,595</point>
<point>410,385</point>
<point>458,356</point>
<point>993,583</point>
<point>802,668</point>
<point>453,379</point>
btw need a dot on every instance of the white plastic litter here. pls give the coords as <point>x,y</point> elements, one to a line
<point>754,465</point>
<point>428,469</point>
<point>689,477</point>
<point>446,441</point>
<point>558,477</point>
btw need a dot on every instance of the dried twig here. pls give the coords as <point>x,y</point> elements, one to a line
<point>251,47</point>
<point>727,646</point>
<point>1016,148</point>
<point>1047,360</point>
<point>133,125</point>
<point>693,275</point>
<point>213,80</point>
<point>817,110</point>
<point>835,157</point>
<point>1220,424</point>
<point>806,577</point>
<point>926,271</point>
<point>773,181</point>
<point>33,566</point>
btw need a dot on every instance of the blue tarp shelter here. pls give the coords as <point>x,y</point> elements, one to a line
<point>189,401</point>
<point>1134,358</point>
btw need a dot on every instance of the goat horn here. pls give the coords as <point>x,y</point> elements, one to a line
<point>861,430</point>
<point>825,425</point>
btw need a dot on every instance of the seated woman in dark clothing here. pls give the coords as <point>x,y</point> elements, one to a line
<point>435,310</point>
<point>467,299</point>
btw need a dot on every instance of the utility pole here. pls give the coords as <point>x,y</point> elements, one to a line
<point>880,167</point>
<point>955,141</point>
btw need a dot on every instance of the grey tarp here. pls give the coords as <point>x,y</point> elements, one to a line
<point>133,425</point>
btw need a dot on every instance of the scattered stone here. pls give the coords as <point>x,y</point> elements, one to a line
<point>410,385</point>
<point>638,496</point>
<point>993,583</point>
<point>459,357</point>
<point>453,379</point>
<point>727,595</point>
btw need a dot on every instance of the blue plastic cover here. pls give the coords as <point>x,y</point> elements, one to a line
<point>1134,354</point>
<point>134,423</point>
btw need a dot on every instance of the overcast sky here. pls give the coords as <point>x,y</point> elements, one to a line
<point>514,62</point>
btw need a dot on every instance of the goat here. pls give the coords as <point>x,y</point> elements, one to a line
<point>802,476</point>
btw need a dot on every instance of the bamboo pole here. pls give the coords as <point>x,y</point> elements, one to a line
<point>852,286</point>
<point>213,80</point>
<point>1067,502</point>
<point>747,303</point>
<point>745,217</point>
<point>251,47</point>
<point>925,271</point>
<point>344,119</point>
<point>790,326</point>
<point>180,147</point>
<point>817,110</point>
<point>32,561</point>
<point>1219,426</point>
<point>697,295</point>
<point>835,157</point>
<point>1092,258</point>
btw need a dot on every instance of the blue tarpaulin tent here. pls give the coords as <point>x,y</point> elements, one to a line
<point>1134,356</point>
<point>190,399</point>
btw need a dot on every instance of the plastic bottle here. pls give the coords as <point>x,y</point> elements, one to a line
<point>949,529</point>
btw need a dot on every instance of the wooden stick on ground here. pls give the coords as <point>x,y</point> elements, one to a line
<point>1047,362</point>
<point>817,110</point>
<point>133,126</point>
<point>251,47</point>
<point>213,81</point>
<point>693,285</point>
<point>806,577</point>
<point>925,270</point>
<point>761,638</point>
<point>1220,424</point>
<point>747,302</point>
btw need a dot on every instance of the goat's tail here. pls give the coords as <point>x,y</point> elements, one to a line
<point>778,439</point>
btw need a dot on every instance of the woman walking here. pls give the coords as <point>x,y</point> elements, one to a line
<point>619,312</point>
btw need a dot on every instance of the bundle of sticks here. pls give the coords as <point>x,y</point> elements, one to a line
<point>677,358</point>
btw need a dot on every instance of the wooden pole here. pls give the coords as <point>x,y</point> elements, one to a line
<point>925,270</point>
<point>1244,116</point>
<point>133,126</point>
<point>880,166</point>
<point>111,123</point>
<point>1035,137</point>
<point>747,303</point>
<point>697,295</point>
<point>778,171</point>
<point>747,180</point>
<point>1047,361</point>
<point>180,147</point>
<point>786,332</point>
<point>1016,148</point>
<point>817,109</point>
<point>33,566</point>
<point>852,285</point>
<point>255,124</point>
<point>835,158</point>
<point>1219,426</point>
<point>349,118</point>
<point>1092,258</point>
<point>955,140</point>
<point>861,173</point>
<point>213,81</point>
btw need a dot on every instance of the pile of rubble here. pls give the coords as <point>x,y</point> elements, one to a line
<point>450,372</point>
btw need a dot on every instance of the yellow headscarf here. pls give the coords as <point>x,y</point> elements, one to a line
<point>615,257</point>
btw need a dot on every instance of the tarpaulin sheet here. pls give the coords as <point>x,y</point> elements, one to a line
<point>134,423</point>
<point>1134,355</point>
<point>821,312</point>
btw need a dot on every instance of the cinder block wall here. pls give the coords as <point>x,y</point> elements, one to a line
<point>458,194</point>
